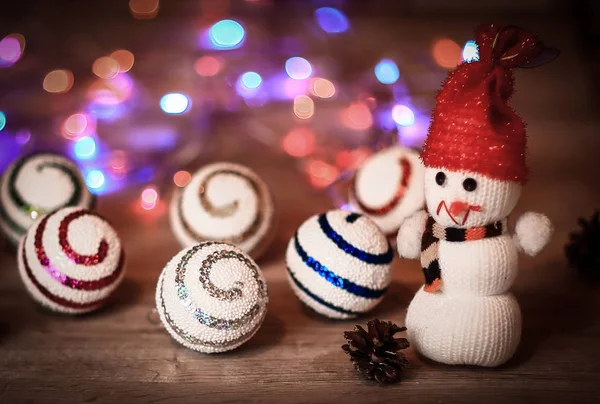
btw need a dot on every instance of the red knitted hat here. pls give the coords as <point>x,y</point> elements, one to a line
<point>473,128</point>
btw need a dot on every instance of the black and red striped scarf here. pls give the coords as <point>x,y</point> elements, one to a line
<point>430,244</point>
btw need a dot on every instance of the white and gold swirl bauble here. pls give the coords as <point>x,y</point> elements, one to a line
<point>224,202</point>
<point>211,297</point>
<point>35,185</point>
<point>389,187</point>
<point>71,261</point>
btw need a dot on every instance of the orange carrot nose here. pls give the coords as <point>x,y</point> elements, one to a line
<point>457,208</point>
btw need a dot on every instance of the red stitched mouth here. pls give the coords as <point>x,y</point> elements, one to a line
<point>454,217</point>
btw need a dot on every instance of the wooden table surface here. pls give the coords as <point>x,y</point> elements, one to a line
<point>118,355</point>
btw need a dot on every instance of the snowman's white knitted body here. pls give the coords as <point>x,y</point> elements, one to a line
<point>472,318</point>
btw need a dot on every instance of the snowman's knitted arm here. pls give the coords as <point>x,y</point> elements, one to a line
<point>533,232</point>
<point>410,235</point>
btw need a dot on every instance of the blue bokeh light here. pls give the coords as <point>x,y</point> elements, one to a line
<point>470,52</point>
<point>331,20</point>
<point>175,103</point>
<point>95,179</point>
<point>385,120</point>
<point>85,148</point>
<point>251,80</point>
<point>22,136</point>
<point>387,72</point>
<point>145,174</point>
<point>257,100</point>
<point>2,120</point>
<point>151,136</point>
<point>9,150</point>
<point>226,34</point>
<point>403,115</point>
<point>298,68</point>
<point>108,112</point>
<point>249,85</point>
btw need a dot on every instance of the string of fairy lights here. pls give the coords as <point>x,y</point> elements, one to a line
<point>114,94</point>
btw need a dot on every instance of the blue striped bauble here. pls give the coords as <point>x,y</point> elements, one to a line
<point>338,264</point>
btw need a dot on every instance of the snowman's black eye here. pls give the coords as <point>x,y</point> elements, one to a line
<point>440,178</point>
<point>470,185</point>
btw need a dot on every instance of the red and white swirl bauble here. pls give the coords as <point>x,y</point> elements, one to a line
<point>388,187</point>
<point>211,297</point>
<point>71,261</point>
<point>224,202</point>
<point>35,185</point>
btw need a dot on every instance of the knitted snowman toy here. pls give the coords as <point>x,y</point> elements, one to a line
<point>474,159</point>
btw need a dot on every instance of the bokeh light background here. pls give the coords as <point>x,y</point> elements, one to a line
<point>145,122</point>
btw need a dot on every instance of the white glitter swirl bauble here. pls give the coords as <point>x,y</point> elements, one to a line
<point>389,187</point>
<point>211,297</point>
<point>71,260</point>
<point>35,185</point>
<point>338,264</point>
<point>224,202</point>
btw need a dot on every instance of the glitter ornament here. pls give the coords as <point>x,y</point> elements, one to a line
<point>224,202</point>
<point>338,264</point>
<point>211,297</point>
<point>71,260</point>
<point>35,185</point>
<point>388,187</point>
<point>474,159</point>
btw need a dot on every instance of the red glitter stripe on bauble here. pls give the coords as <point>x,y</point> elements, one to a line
<point>402,187</point>
<point>64,279</point>
<point>56,299</point>
<point>77,258</point>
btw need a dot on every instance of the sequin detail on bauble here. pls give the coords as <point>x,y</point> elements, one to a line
<point>49,295</point>
<point>335,279</point>
<point>400,191</point>
<point>192,338</point>
<point>225,211</point>
<point>227,295</point>
<point>30,209</point>
<point>319,299</point>
<point>18,200</point>
<point>205,318</point>
<point>73,255</point>
<point>348,248</point>
<point>56,274</point>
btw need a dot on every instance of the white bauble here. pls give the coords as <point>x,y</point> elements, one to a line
<point>211,297</point>
<point>339,264</point>
<point>224,202</point>
<point>35,185</point>
<point>388,187</point>
<point>71,261</point>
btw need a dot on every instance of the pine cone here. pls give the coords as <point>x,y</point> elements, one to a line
<point>375,353</point>
<point>583,248</point>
